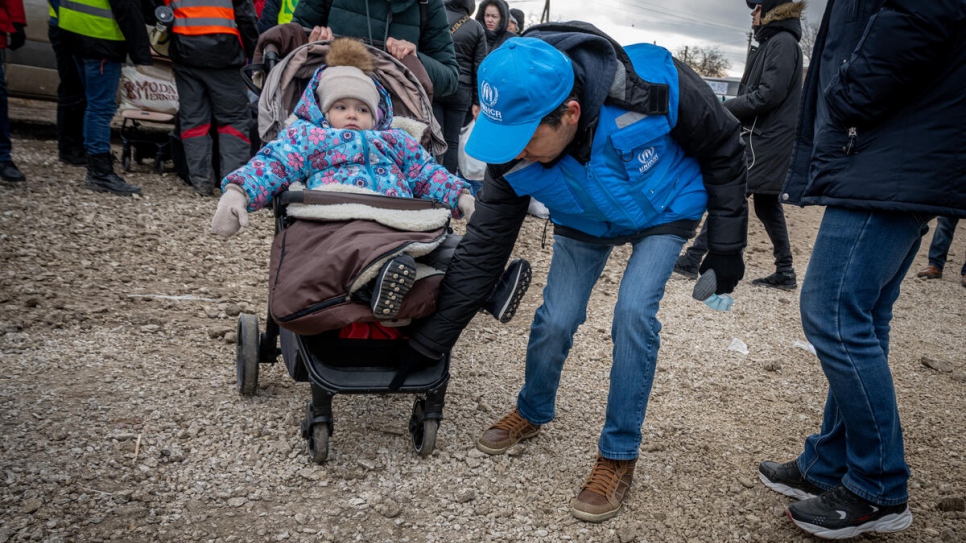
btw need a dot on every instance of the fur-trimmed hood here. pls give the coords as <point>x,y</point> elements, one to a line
<point>787,10</point>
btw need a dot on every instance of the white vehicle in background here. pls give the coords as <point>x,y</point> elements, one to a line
<point>725,87</point>
<point>31,71</point>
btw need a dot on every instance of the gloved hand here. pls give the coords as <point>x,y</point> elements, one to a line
<point>728,269</point>
<point>410,360</point>
<point>232,212</point>
<point>17,37</point>
<point>467,204</point>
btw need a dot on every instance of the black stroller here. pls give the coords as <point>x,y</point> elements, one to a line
<point>332,364</point>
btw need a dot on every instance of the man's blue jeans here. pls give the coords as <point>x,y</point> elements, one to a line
<point>942,238</point>
<point>101,78</point>
<point>857,264</point>
<point>575,268</point>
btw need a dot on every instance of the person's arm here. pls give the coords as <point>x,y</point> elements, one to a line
<point>269,16</point>
<point>479,53</point>
<point>903,41</point>
<point>130,19</point>
<point>708,133</point>
<point>426,178</point>
<point>308,13</point>
<point>13,23</point>
<point>476,266</point>
<point>781,70</point>
<point>247,24</point>
<point>279,163</point>
<point>436,51</point>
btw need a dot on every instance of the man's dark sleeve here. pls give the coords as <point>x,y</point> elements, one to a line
<point>477,264</point>
<point>435,50</point>
<point>781,71</point>
<point>247,25</point>
<point>479,53</point>
<point>903,41</point>
<point>308,13</point>
<point>129,15</point>
<point>707,132</point>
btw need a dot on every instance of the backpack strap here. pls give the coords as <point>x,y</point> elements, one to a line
<point>423,16</point>
<point>326,6</point>
<point>456,26</point>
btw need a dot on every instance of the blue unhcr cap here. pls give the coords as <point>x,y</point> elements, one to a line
<point>519,84</point>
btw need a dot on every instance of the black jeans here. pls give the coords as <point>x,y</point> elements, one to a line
<point>450,113</point>
<point>71,101</point>
<point>772,216</point>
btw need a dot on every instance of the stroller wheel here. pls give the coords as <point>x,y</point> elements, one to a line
<point>422,430</point>
<point>246,354</point>
<point>318,443</point>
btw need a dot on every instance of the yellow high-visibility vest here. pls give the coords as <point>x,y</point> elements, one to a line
<point>92,18</point>
<point>286,11</point>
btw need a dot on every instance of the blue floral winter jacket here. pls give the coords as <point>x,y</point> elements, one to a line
<point>385,160</point>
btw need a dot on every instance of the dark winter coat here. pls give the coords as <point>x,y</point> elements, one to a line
<point>704,130</point>
<point>768,98</point>
<point>495,38</point>
<point>883,114</point>
<point>130,18</point>
<point>219,50</point>
<point>469,40</point>
<point>374,21</point>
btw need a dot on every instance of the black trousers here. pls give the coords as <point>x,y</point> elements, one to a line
<point>769,210</point>
<point>71,101</point>
<point>206,94</point>
<point>450,113</point>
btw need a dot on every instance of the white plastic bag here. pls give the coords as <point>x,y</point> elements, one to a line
<point>150,88</point>
<point>469,167</point>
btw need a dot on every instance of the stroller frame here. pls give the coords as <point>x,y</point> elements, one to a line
<point>316,359</point>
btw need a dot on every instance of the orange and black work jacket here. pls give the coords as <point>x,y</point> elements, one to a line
<point>213,33</point>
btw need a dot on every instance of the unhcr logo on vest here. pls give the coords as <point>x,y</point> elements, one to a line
<point>647,158</point>
<point>488,98</point>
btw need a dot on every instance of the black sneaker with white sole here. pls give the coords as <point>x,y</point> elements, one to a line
<point>786,479</point>
<point>509,290</point>
<point>395,279</point>
<point>840,514</point>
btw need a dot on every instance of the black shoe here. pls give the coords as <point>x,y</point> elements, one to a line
<point>786,479</point>
<point>393,282</point>
<point>779,280</point>
<point>74,157</point>
<point>101,176</point>
<point>686,267</point>
<point>505,298</point>
<point>10,172</point>
<point>840,514</point>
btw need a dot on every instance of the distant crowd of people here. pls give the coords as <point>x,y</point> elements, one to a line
<point>624,145</point>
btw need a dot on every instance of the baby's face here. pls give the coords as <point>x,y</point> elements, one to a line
<point>350,114</point>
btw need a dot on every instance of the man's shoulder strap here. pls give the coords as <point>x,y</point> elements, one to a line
<point>456,26</point>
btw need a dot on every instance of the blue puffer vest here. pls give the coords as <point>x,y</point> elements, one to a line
<point>637,176</point>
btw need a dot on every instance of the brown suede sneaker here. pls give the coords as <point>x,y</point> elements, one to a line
<point>603,494</point>
<point>508,431</point>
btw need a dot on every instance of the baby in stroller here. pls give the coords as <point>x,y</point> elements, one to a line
<point>342,135</point>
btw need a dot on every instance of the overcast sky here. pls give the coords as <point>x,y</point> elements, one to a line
<point>671,24</point>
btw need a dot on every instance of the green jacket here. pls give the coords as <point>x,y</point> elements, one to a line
<point>368,20</point>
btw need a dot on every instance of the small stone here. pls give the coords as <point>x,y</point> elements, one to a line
<point>746,482</point>
<point>233,310</point>
<point>368,464</point>
<point>150,328</point>
<point>938,365</point>
<point>952,504</point>
<point>230,337</point>
<point>474,463</point>
<point>31,302</point>
<point>237,502</point>
<point>218,332</point>
<point>959,376</point>
<point>465,495</point>
<point>30,506</point>
<point>772,366</point>
<point>389,509</point>
<point>516,450</point>
<point>654,447</point>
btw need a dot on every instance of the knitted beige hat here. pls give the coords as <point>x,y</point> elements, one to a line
<point>348,65</point>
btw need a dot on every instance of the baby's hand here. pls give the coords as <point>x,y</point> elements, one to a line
<point>232,212</point>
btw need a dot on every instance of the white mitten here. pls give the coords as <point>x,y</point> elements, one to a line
<point>232,212</point>
<point>467,204</point>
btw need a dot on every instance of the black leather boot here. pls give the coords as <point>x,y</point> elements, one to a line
<point>101,176</point>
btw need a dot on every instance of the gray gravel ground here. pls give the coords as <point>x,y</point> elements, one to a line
<point>121,421</point>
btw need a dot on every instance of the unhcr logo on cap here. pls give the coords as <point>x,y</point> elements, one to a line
<point>489,95</point>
